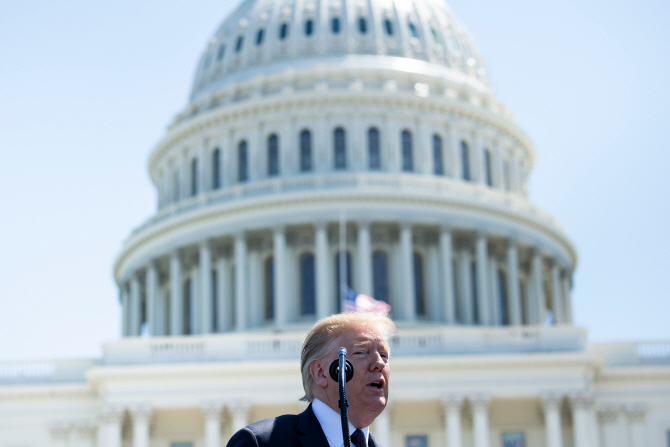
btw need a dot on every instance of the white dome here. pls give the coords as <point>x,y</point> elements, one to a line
<point>272,36</point>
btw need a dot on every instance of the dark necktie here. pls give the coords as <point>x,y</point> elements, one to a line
<point>358,438</point>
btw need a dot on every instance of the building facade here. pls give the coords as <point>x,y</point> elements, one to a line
<point>359,142</point>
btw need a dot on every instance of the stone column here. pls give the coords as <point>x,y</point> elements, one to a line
<point>152,298</point>
<point>609,433</point>
<point>452,420</point>
<point>195,310</point>
<point>581,420</point>
<point>239,412</point>
<point>240,282</point>
<point>109,426</point>
<point>365,259</point>
<point>567,302</point>
<point>176,298</point>
<point>281,308</point>
<point>141,417</point>
<point>224,302</point>
<point>206,292</point>
<point>323,305</point>
<point>83,434</point>
<point>465,286</point>
<point>59,435</point>
<point>408,299</point>
<point>636,433</point>
<point>125,310</point>
<point>455,166</point>
<point>481,245</point>
<point>494,292</point>
<point>212,414</point>
<point>382,427</point>
<point>537,308</point>
<point>556,298</point>
<point>480,420</point>
<point>447,271</point>
<point>551,404</point>
<point>513,292</point>
<point>135,310</point>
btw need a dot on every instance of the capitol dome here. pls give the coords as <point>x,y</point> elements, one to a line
<point>307,114</point>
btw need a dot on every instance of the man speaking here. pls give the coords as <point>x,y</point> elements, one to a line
<point>366,337</point>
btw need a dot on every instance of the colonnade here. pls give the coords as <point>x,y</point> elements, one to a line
<point>465,278</point>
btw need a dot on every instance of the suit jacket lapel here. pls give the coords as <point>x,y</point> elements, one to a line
<point>309,430</point>
<point>371,441</point>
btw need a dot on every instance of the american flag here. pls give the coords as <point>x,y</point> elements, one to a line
<point>358,302</point>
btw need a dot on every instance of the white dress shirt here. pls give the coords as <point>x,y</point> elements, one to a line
<point>331,424</point>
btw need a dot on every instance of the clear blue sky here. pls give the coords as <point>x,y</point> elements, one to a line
<point>87,88</point>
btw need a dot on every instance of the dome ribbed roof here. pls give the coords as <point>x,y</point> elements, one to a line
<point>271,36</point>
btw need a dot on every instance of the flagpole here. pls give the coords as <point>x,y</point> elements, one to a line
<point>342,258</point>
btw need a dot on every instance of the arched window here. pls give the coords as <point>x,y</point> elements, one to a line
<point>380,276</point>
<point>242,162</point>
<point>221,52</point>
<point>465,161</point>
<point>273,155</point>
<point>216,168</point>
<point>438,169</point>
<point>269,292</point>
<point>388,26</point>
<point>338,284</point>
<point>362,25</point>
<point>340,149</point>
<point>283,31</point>
<point>238,45</point>
<point>309,27</point>
<point>406,151</point>
<point>305,151</point>
<point>502,298</point>
<point>412,30</point>
<point>487,167</point>
<point>374,158</point>
<point>259,36</point>
<point>335,25</point>
<point>419,298</point>
<point>194,176</point>
<point>307,285</point>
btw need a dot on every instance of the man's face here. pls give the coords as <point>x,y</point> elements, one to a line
<point>368,390</point>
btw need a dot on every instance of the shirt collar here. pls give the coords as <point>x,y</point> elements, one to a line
<point>331,424</point>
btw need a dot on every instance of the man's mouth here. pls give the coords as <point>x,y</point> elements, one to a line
<point>377,385</point>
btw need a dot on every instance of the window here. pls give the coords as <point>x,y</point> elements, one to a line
<point>502,298</point>
<point>242,166</point>
<point>307,285</point>
<point>188,299</point>
<point>216,168</point>
<point>269,292</point>
<point>388,26</point>
<point>259,36</point>
<point>305,151</point>
<point>283,31</point>
<point>335,25</point>
<point>417,441</point>
<point>434,33</point>
<point>380,276</point>
<point>406,151</point>
<point>194,176</point>
<point>465,161</point>
<point>340,149</point>
<point>238,45</point>
<point>374,159</point>
<point>309,27</point>
<point>221,52</point>
<point>438,169</point>
<point>273,155</point>
<point>362,25</point>
<point>346,257</point>
<point>412,30</point>
<point>419,298</point>
<point>514,440</point>
<point>487,167</point>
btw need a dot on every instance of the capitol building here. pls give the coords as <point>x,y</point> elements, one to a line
<point>359,142</point>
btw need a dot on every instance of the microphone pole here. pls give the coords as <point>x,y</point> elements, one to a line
<point>343,403</point>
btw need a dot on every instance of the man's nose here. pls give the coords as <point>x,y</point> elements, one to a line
<point>377,362</point>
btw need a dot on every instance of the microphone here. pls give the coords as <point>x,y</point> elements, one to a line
<point>341,370</point>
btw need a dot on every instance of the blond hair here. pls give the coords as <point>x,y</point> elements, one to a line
<point>318,342</point>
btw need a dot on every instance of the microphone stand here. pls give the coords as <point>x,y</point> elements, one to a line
<point>343,403</point>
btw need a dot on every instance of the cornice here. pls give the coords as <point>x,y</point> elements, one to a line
<point>49,391</point>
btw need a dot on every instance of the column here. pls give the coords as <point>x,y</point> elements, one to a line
<point>382,427</point>
<point>176,299</point>
<point>477,160</point>
<point>494,292</point>
<point>556,298</point>
<point>449,312</point>
<point>567,302</point>
<point>224,302</point>
<point>59,435</point>
<point>281,307</point>
<point>240,282</point>
<point>239,412</point>
<point>205,169</point>
<point>212,414</point>
<point>581,407</point>
<point>480,420</point>
<point>537,308</point>
<point>152,298</point>
<point>83,434</point>
<point>452,420</point>
<point>135,304</point>
<point>365,259</point>
<point>323,307</point>
<point>109,426</point>
<point>407,262</point>
<point>513,292</point>
<point>636,434</point>
<point>195,304</point>
<point>609,432</point>
<point>206,292</point>
<point>141,417</point>
<point>551,405</point>
<point>455,166</point>
<point>125,310</point>
<point>465,285</point>
<point>481,245</point>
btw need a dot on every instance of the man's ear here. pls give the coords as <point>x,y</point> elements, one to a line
<point>319,373</point>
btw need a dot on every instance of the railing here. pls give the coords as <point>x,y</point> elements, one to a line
<point>634,354</point>
<point>55,371</point>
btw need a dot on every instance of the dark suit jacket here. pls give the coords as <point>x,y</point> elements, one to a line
<point>289,430</point>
